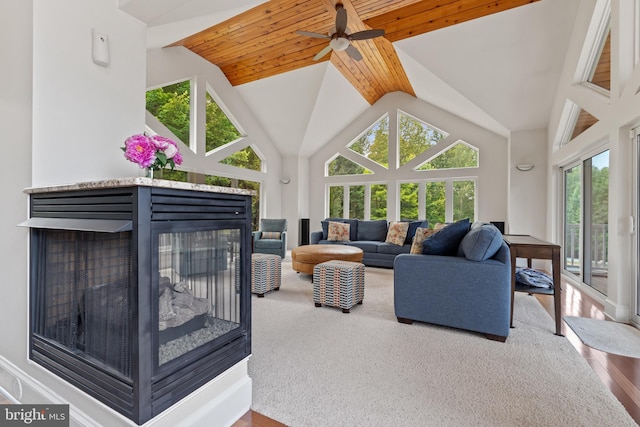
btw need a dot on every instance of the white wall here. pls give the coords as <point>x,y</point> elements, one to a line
<point>528,190</point>
<point>491,176</point>
<point>83,112</point>
<point>64,120</point>
<point>15,133</point>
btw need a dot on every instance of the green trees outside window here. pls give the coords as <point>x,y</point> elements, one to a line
<point>343,166</point>
<point>374,143</point>
<point>171,106</point>
<point>415,137</point>
<point>444,200</point>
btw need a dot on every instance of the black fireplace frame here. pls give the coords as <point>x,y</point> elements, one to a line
<point>143,209</point>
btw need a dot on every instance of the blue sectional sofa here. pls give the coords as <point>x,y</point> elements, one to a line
<point>369,236</point>
<point>470,289</point>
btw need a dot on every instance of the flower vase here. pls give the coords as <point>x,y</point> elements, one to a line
<point>149,173</point>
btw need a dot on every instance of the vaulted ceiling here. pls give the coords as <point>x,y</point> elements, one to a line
<point>263,42</point>
<point>495,63</point>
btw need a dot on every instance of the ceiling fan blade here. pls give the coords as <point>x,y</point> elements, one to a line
<point>341,19</point>
<point>315,35</point>
<point>322,53</point>
<point>354,53</point>
<point>366,34</point>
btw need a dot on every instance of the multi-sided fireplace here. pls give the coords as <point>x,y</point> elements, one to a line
<point>139,288</point>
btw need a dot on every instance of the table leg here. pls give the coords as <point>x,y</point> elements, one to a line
<point>513,282</point>
<point>557,289</point>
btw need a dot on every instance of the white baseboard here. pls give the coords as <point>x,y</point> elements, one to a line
<point>219,403</point>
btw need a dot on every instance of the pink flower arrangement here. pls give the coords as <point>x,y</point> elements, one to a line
<point>152,152</point>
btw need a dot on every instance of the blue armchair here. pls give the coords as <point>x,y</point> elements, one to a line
<point>271,238</point>
<point>455,291</point>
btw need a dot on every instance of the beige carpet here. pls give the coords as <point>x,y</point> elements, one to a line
<point>320,367</point>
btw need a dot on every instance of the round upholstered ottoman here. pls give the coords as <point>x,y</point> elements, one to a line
<point>304,258</point>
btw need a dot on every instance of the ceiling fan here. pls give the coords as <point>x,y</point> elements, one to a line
<point>340,39</point>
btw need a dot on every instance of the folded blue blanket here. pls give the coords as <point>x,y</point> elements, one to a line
<point>531,277</point>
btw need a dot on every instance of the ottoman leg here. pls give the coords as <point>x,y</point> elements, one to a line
<point>260,295</point>
<point>318,304</point>
<point>345,310</point>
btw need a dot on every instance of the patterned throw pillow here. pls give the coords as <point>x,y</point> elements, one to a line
<point>397,232</point>
<point>338,232</point>
<point>270,235</point>
<point>421,234</point>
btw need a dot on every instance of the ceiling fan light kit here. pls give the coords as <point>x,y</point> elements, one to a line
<point>339,43</point>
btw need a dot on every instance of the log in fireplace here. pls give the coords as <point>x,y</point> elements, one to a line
<point>139,289</point>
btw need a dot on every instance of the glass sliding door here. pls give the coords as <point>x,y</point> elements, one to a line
<point>572,220</point>
<point>586,221</point>
<point>596,220</point>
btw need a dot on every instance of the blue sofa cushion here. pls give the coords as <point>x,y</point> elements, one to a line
<point>481,243</point>
<point>268,244</point>
<point>375,230</point>
<point>369,246</point>
<point>446,241</point>
<point>353,227</point>
<point>390,248</point>
<point>413,226</point>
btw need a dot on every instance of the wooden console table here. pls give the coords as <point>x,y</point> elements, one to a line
<point>523,246</point>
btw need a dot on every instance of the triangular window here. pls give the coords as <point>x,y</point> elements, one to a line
<point>246,159</point>
<point>170,105</point>
<point>342,166</point>
<point>583,122</point>
<point>459,155</point>
<point>600,74</point>
<point>220,129</point>
<point>374,143</point>
<point>415,137</point>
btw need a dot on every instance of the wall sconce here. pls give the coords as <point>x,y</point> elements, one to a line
<point>525,167</point>
<point>285,180</point>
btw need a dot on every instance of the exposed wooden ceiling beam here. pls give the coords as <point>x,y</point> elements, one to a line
<point>424,16</point>
<point>263,42</point>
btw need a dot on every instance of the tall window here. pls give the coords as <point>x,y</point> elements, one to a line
<point>573,220</point>
<point>586,221</point>
<point>596,220</point>
<point>444,201</point>
<point>365,201</point>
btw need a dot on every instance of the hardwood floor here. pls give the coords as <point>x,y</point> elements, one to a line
<point>620,374</point>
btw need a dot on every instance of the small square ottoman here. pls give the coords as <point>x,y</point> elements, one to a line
<point>266,273</point>
<point>338,284</point>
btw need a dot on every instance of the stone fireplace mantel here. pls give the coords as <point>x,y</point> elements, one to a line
<point>139,181</point>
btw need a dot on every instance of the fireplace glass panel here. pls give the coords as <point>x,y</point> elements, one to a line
<point>83,295</point>
<point>198,289</point>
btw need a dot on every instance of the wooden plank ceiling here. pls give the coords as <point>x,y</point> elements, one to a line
<point>263,42</point>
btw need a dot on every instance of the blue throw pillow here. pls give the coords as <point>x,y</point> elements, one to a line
<point>481,243</point>
<point>446,241</point>
<point>413,226</point>
<point>374,230</point>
